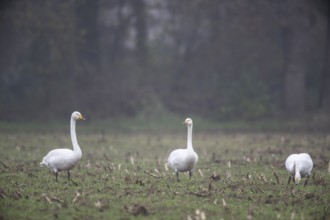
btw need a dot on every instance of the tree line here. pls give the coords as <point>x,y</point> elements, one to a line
<point>218,59</point>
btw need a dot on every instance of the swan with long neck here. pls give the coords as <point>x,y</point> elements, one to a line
<point>184,160</point>
<point>65,159</point>
<point>299,166</point>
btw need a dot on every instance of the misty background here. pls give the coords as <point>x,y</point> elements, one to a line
<point>218,59</point>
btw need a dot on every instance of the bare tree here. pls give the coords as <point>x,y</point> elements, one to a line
<point>296,47</point>
<point>325,77</point>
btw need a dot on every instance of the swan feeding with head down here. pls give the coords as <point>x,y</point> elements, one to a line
<point>299,165</point>
<point>65,159</point>
<point>184,160</point>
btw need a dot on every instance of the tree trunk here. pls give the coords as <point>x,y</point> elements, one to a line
<point>325,72</point>
<point>296,46</point>
<point>296,70</point>
<point>139,8</point>
<point>113,26</point>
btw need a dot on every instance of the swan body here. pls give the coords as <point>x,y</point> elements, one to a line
<point>184,160</point>
<point>299,166</point>
<point>65,159</point>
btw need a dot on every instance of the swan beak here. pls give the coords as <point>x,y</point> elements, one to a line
<point>82,118</point>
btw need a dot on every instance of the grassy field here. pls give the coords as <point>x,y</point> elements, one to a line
<point>122,175</point>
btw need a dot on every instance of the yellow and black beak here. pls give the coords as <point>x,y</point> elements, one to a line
<point>81,117</point>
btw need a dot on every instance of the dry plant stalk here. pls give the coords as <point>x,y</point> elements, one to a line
<point>277,178</point>
<point>5,166</point>
<point>76,197</point>
<point>151,174</point>
<point>263,178</point>
<point>98,204</point>
<point>47,198</point>
<point>57,199</point>
<point>228,174</point>
<point>3,196</point>
<point>200,215</point>
<point>166,168</point>
<point>224,204</point>
<point>200,173</point>
<point>202,194</point>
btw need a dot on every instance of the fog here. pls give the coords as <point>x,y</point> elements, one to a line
<point>221,60</point>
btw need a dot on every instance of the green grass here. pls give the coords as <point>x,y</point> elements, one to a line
<point>122,175</point>
<point>164,121</point>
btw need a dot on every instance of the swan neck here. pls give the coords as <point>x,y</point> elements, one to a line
<point>74,141</point>
<point>296,167</point>
<point>189,138</point>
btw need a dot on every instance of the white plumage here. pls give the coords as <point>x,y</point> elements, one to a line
<point>184,160</point>
<point>299,166</point>
<point>65,159</point>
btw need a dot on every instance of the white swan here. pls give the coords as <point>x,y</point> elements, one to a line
<point>65,159</point>
<point>183,160</point>
<point>299,165</point>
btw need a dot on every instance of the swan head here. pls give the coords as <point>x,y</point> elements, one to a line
<point>188,121</point>
<point>297,179</point>
<point>77,116</point>
<point>297,176</point>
